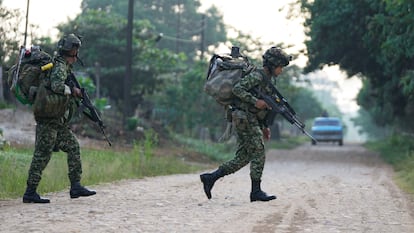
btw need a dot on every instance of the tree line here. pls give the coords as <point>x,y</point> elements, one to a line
<point>373,40</point>
<point>171,44</point>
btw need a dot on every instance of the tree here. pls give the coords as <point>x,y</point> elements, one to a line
<point>186,107</point>
<point>371,39</point>
<point>9,25</point>
<point>104,43</point>
<point>9,47</point>
<point>178,20</point>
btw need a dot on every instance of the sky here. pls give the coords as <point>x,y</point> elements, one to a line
<point>264,19</point>
<point>47,14</point>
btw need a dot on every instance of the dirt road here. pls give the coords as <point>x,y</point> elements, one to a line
<point>320,189</point>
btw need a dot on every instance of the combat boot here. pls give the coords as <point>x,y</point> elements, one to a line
<point>209,179</point>
<point>257,194</point>
<point>77,190</point>
<point>31,196</point>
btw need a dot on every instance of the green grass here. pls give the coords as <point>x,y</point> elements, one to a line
<point>218,152</point>
<point>287,142</point>
<point>4,105</point>
<point>99,166</point>
<point>399,152</point>
<point>102,166</point>
<point>221,152</point>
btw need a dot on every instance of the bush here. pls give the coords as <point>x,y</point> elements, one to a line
<point>398,151</point>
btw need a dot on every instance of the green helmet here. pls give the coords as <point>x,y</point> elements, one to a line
<point>275,57</point>
<point>69,42</point>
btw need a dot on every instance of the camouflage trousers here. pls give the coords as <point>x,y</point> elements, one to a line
<point>48,134</point>
<point>250,147</point>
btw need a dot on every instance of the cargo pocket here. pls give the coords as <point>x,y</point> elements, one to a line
<point>240,120</point>
<point>49,104</point>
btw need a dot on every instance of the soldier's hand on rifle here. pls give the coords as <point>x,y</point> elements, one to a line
<point>76,92</point>
<point>266,133</point>
<point>261,104</point>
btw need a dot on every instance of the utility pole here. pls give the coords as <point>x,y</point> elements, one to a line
<point>128,65</point>
<point>202,36</point>
<point>1,84</point>
<point>98,79</point>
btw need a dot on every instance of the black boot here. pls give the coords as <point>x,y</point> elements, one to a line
<point>257,194</point>
<point>209,179</point>
<point>31,196</point>
<point>77,190</point>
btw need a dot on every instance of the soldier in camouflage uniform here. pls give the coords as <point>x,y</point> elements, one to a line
<point>248,114</point>
<point>52,130</point>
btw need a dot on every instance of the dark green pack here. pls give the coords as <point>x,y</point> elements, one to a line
<point>223,73</point>
<point>24,77</point>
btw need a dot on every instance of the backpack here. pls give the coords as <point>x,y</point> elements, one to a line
<point>25,77</point>
<point>223,73</point>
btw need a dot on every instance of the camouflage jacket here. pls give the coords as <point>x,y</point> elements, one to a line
<point>57,83</point>
<point>58,76</point>
<point>246,98</point>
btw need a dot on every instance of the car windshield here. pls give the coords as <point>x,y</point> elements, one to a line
<point>326,122</point>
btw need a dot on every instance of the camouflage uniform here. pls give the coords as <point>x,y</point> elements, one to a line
<point>53,107</point>
<point>248,122</point>
<point>55,131</point>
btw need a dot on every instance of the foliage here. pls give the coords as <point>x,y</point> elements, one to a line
<point>132,123</point>
<point>372,130</point>
<point>87,83</point>
<point>371,39</point>
<point>9,45</point>
<point>287,142</point>
<point>184,28</point>
<point>104,43</point>
<point>167,77</point>
<point>9,25</point>
<point>399,152</point>
<point>219,152</point>
<point>45,43</point>
<point>298,96</point>
<point>186,106</point>
<point>4,105</point>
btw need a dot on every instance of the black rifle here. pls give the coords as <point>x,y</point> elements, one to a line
<point>279,105</point>
<point>93,114</point>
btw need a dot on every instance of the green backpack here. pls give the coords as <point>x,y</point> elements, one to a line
<point>225,71</point>
<point>25,77</point>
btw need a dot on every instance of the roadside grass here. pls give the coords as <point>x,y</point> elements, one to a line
<point>99,166</point>
<point>4,105</point>
<point>398,151</point>
<point>220,152</point>
<point>287,142</point>
<point>103,166</point>
<point>217,152</point>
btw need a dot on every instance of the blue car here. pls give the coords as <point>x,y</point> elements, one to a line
<point>327,129</point>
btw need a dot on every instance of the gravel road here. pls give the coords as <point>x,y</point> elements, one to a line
<point>322,188</point>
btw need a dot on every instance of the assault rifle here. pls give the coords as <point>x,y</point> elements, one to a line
<point>93,114</point>
<point>279,105</point>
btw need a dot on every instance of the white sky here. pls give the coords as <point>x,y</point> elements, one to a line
<point>265,19</point>
<point>46,14</point>
<point>262,19</point>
